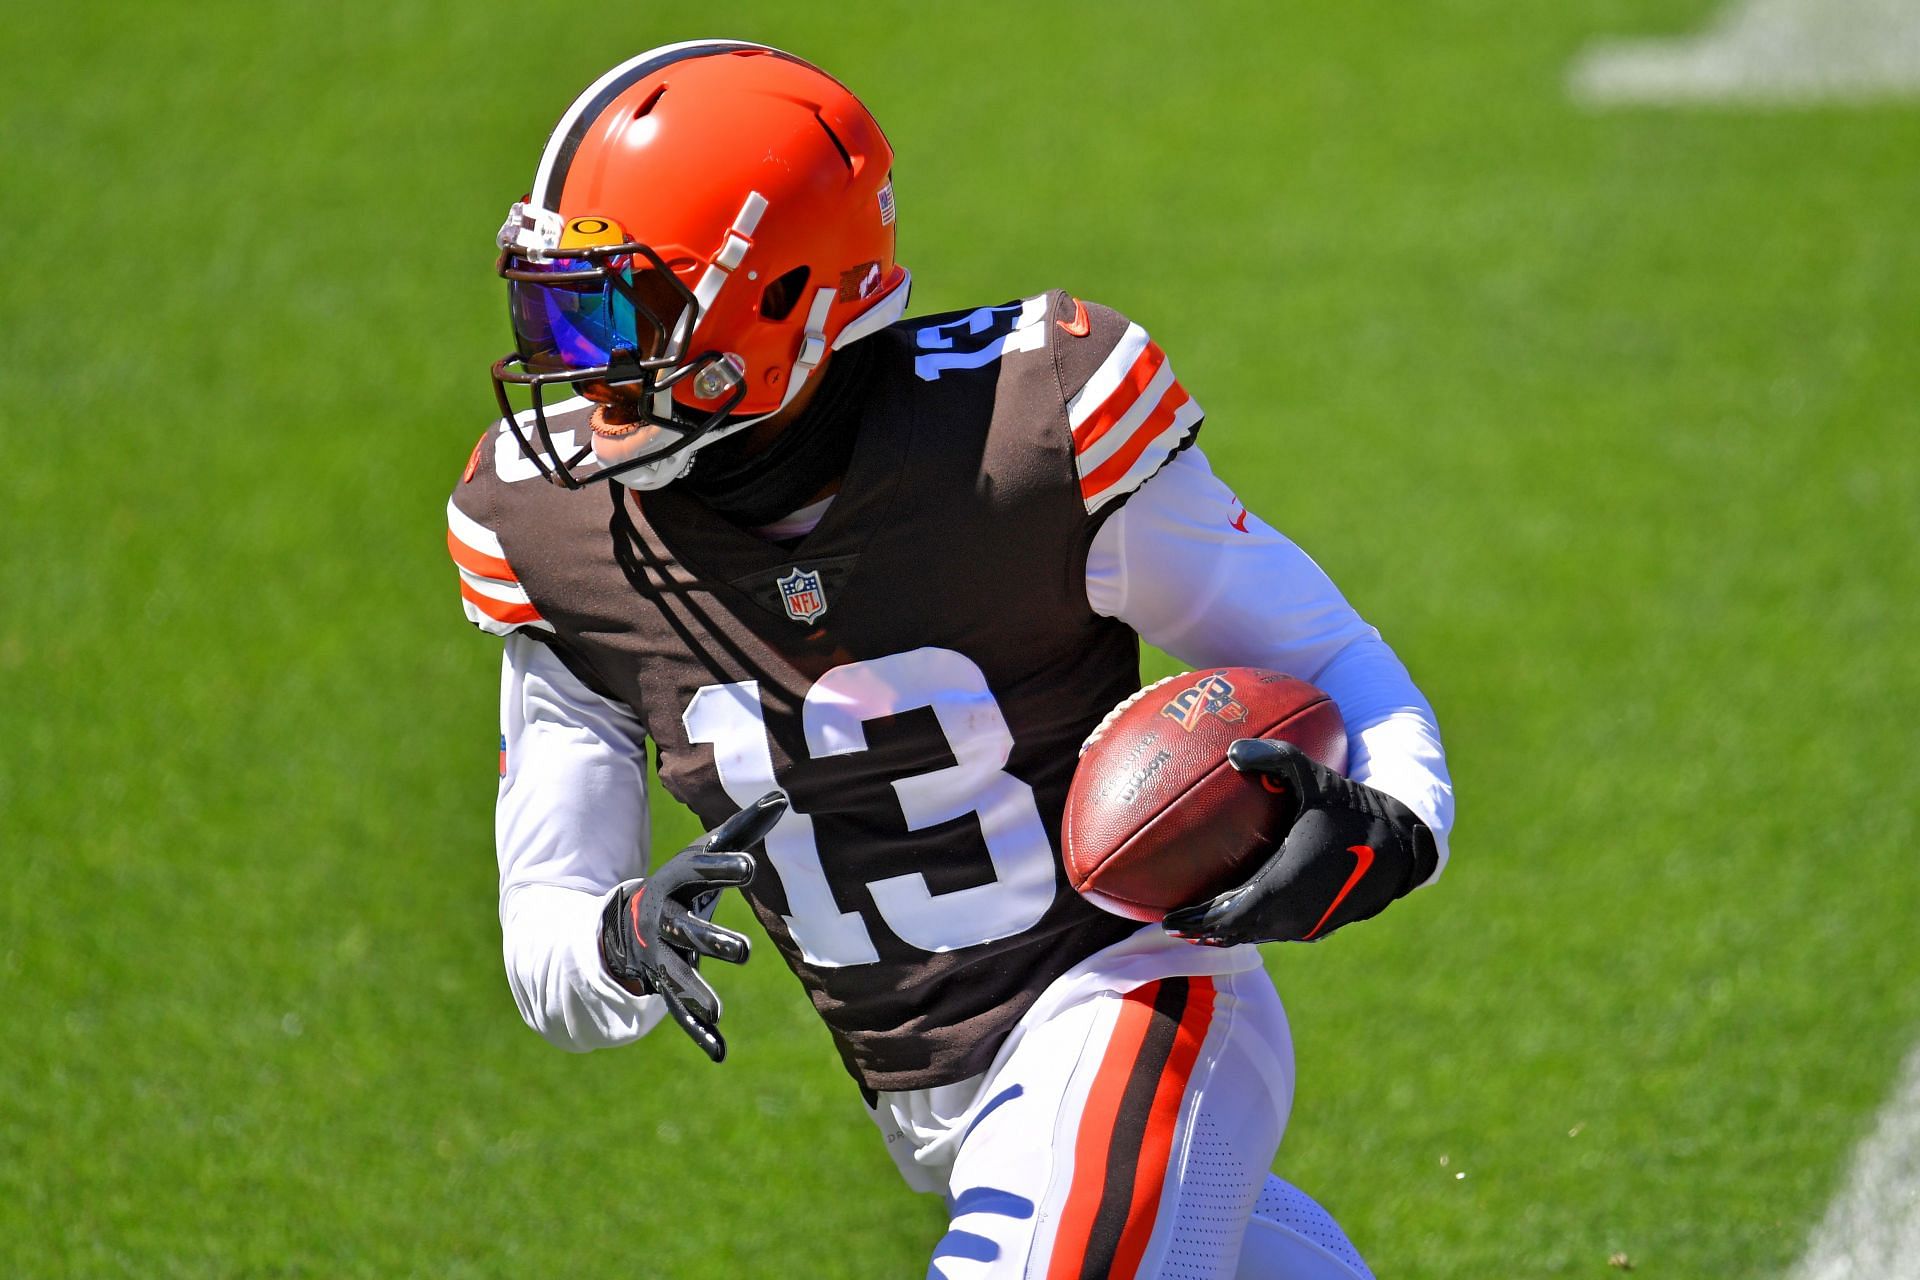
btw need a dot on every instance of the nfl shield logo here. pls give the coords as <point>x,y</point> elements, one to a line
<point>800,591</point>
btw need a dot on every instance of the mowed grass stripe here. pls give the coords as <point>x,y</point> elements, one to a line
<point>1604,420</point>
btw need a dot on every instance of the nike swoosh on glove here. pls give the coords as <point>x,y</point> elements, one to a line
<point>1350,851</point>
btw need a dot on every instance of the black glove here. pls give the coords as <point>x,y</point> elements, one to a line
<point>655,929</point>
<point>1351,850</point>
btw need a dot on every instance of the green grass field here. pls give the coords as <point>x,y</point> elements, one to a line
<point>1608,420</point>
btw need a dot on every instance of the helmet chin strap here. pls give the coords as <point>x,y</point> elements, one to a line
<point>813,347</point>
<point>664,472</point>
<point>658,475</point>
<point>813,351</point>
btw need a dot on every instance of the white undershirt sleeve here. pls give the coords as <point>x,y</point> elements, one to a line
<point>1191,570</point>
<point>569,826</point>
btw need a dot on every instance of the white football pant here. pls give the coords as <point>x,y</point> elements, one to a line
<point>1124,1131</point>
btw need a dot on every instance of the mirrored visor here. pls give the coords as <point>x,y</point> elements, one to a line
<point>592,313</point>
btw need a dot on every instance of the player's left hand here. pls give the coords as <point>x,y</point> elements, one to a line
<point>655,929</point>
<point>1351,851</point>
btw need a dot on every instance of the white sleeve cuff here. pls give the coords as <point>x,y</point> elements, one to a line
<point>551,942</point>
<point>1401,756</point>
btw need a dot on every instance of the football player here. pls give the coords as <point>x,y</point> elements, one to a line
<point>865,583</point>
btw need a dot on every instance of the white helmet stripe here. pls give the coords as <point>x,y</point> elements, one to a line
<point>732,249</point>
<point>566,136</point>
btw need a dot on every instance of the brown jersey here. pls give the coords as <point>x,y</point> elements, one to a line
<point>916,675</point>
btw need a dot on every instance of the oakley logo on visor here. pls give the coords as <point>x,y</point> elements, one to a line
<point>591,233</point>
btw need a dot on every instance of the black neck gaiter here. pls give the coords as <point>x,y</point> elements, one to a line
<point>813,450</point>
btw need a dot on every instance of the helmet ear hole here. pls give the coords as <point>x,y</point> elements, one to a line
<point>778,299</point>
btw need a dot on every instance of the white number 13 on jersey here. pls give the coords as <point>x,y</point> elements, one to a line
<point>729,717</point>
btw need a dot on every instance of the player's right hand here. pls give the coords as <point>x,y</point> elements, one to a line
<point>1352,850</point>
<point>656,928</point>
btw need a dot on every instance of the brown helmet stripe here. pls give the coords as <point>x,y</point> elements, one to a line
<point>566,137</point>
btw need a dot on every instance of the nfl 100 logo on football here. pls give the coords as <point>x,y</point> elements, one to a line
<point>1211,695</point>
<point>802,594</point>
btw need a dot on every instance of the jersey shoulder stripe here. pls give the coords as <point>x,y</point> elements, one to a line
<point>490,591</point>
<point>1127,417</point>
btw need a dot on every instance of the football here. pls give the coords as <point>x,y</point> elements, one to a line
<point>1156,818</point>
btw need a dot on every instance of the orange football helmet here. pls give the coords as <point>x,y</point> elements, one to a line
<point>708,220</point>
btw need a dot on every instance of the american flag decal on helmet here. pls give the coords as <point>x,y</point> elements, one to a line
<point>886,203</point>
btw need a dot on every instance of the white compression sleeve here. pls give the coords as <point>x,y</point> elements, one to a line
<point>1193,571</point>
<point>569,826</point>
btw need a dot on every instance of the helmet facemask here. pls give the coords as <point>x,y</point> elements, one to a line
<point>612,315</point>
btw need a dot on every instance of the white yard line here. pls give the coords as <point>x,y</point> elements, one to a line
<point>1764,52</point>
<point>1787,52</point>
<point>1872,1229</point>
